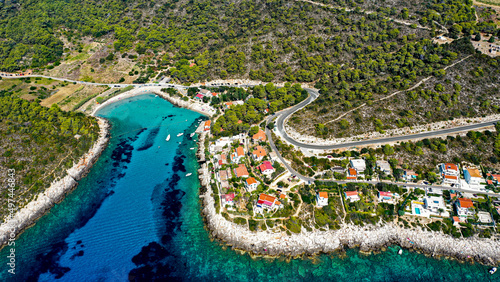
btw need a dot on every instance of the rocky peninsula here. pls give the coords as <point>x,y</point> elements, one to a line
<point>368,238</point>
<point>27,215</point>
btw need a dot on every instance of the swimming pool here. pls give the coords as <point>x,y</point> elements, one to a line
<point>417,210</point>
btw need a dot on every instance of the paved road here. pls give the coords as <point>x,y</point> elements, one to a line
<point>412,185</point>
<point>282,116</point>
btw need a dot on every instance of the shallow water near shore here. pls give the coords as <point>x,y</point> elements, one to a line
<point>136,215</point>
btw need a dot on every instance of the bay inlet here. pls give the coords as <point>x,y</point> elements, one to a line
<point>136,216</point>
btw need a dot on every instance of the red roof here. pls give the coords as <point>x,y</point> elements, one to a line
<point>456,219</point>
<point>465,203</point>
<point>323,195</point>
<point>265,166</point>
<point>351,193</point>
<point>489,182</point>
<point>385,194</point>
<point>199,96</point>
<point>240,152</point>
<point>264,197</point>
<point>451,177</point>
<point>451,166</point>
<point>192,65</point>
<point>229,197</point>
<point>251,181</point>
<point>241,170</point>
<point>496,177</point>
<point>260,135</point>
<point>353,172</point>
<point>207,123</point>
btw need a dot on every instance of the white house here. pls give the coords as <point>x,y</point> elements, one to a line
<point>322,199</point>
<point>358,164</point>
<point>384,166</point>
<point>227,199</point>
<point>237,155</point>
<point>205,92</point>
<point>464,207</point>
<point>251,184</point>
<point>472,176</point>
<point>266,168</point>
<point>266,202</point>
<point>353,196</point>
<point>450,173</point>
<point>449,169</point>
<point>434,204</point>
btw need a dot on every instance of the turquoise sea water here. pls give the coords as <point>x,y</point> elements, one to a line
<point>136,216</point>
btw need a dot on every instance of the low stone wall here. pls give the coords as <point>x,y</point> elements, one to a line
<point>26,216</point>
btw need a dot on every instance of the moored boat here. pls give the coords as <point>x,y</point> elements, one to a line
<point>400,251</point>
<point>180,134</point>
<point>493,270</point>
<point>188,174</point>
<point>168,138</point>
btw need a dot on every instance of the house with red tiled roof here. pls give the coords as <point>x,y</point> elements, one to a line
<point>259,136</point>
<point>465,207</point>
<point>352,196</point>
<point>259,153</point>
<point>456,220</point>
<point>385,197</point>
<point>266,168</point>
<point>241,171</point>
<point>352,174</point>
<point>266,203</point>
<point>206,127</point>
<point>322,199</point>
<point>450,173</point>
<point>251,184</point>
<point>237,155</point>
<point>192,65</point>
<point>198,97</point>
<point>227,199</point>
<point>228,105</point>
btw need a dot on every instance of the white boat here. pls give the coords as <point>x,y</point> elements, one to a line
<point>191,148</point>
<point>493,270</point>
<point>400,251</point>
<point>168,138</point>
<point>192,134</point>
<point>188,174</point>
<point>180,134</point>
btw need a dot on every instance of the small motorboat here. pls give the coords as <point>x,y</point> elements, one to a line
<point>192,134</point>
<point>188,174</point>
<point>192,148</point>
<point>493,270</point>
<point>180,134</point>
<point>168,138</point>
<point>400,251</point>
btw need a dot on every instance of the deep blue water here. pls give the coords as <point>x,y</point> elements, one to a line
<point>136,216</point>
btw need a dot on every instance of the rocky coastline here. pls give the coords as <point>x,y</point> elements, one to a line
<point>30,213</point>
<point>368,238</point>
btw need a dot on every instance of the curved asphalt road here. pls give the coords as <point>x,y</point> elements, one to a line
<point>282,116</point>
